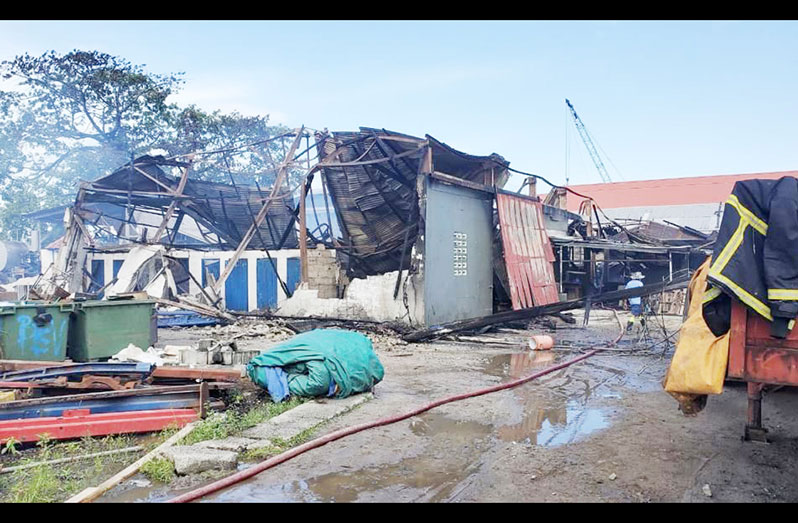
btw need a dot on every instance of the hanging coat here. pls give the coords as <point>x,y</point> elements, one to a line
<point>755,259</point>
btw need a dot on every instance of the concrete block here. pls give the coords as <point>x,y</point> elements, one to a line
<point>230,444</point>
<point>194,459</point>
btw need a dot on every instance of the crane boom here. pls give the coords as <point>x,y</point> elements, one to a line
<point>591,149</point>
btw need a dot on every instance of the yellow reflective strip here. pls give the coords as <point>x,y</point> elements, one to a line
<point>731,247</point>
<point>791,324</point>
<point>783,294</point>
<point>743,295</point>
<point>755,221</point>
<point>711,294</point>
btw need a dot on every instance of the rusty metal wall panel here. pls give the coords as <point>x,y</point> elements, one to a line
<point>528,254</point>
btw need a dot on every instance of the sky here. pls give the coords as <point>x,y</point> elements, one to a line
<point>661,99</point>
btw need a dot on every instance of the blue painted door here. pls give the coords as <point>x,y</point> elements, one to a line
<point>117,264</point>
<point>235,287</point>
<point>294,274</point>
<point>266,283</point>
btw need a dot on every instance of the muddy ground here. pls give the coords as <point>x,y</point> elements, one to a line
<point>600,430</point>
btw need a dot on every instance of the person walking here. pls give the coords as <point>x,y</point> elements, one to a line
<point>635,304</point>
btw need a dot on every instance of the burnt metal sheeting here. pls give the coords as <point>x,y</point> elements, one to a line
<point>528,254</point>
<point>375,198</point>
<point>223,209</point>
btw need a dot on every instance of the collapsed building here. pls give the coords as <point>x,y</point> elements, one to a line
<point>406,229</point>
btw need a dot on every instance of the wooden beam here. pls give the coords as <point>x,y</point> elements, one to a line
<point>92,493</point>
<point>303,235</point>
<point>171,209</point>
<point>168,189</point>
<point>261,215</point>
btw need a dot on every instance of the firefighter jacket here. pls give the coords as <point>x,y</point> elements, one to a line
<point>755,259</point>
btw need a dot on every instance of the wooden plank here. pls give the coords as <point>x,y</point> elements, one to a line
<point>90,494</point>
<point>197,373</point>
<point>303,235</point>
<point>288,160</point>
<point>173,205</point>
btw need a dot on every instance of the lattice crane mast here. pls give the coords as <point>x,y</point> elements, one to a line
<point>591,149</point>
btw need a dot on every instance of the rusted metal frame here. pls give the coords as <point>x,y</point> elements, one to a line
<point>258,219</point>
<point>82,227</point>
<point>233,229</point>
<point>394,172</point>
<point>169,189</point>
<point>385,198</point>
<point>402,258</point>
<point>443,177</point>
<point>370,162</point>
<point>351,246</point>
<point>313,204</point>
<point>393,138</point>
<point>303,235</point>
<point>178,223</point>
<point>344,227</point>
<point>103,190</point>
<point>269,223</point>
<point>393,156</point>
<point>171,209</point>
<point>327,207</point>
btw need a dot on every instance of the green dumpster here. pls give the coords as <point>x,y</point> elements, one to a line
<point>99,329</point>
<point>34,331</point>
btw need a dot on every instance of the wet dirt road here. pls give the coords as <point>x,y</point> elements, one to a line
<point>600,430</point>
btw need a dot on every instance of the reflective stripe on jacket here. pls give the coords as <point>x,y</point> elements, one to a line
<point>756,253</point>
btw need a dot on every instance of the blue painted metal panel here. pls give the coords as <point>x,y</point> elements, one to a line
<point>212,265</point>
<point>184,319</point>
<point>235,287</point>
<point>97,406</point>
<point>117,264</point>
<point>294,274</point>
<point>266,283</point>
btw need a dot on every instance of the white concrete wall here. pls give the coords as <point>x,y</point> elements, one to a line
<point>195,267</point>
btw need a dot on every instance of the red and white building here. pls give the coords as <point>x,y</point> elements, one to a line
<point>695,202</point>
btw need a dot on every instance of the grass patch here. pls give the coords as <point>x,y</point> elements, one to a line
<point>53,483</point>
<point>233,421</point>
<point>280,445</point>
<point>159,469</point>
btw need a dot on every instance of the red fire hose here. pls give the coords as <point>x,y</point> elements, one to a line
<point>318,442</point>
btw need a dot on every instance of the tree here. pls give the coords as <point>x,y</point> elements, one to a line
<point>81,115</point>
<point>245,149</point>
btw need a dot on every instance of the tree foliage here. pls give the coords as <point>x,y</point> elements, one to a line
<point>81,115</point>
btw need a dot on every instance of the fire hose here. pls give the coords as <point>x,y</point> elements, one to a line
<point>342,433</point>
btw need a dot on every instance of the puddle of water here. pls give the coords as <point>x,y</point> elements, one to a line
<point>552,414</point>
<point>519,364</point>
<point>450,456</point>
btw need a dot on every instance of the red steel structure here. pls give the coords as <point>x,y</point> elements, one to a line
<point>759,359</point>
<point>78,423</point>
<point>528,254</point>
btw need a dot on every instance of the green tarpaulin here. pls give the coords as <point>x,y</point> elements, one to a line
<point>315,359</point>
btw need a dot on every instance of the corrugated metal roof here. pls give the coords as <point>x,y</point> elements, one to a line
<point>225,210</point>
<point>376,202</point>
